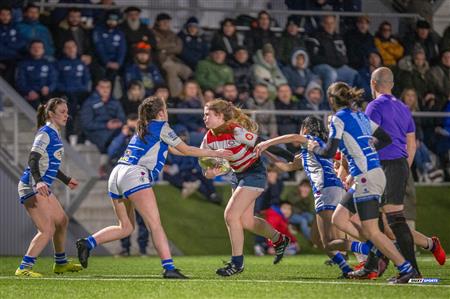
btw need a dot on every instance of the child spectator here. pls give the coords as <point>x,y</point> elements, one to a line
<point>298,73</point>
<point>303,205</point>
<point>212,72</point>
<point>389,47</point>
<point>195,47</point>
<point>133,97</point>
<point>227,38</point>
<point>241,66</point>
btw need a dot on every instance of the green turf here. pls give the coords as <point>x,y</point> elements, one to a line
<point>295,277</point>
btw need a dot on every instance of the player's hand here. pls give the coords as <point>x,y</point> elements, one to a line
<point>73,183</point>
<point>211,173</point>
<point>261,147</point>
<point>223,153</point>
<point>312,144</point>
<point>42,189</point>
<point>348,182</point>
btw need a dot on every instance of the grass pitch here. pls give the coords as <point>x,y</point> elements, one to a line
<point>303,276</point>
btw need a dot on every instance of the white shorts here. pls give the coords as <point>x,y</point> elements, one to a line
<point>328,198</point>
<point>127,179</point>
<point>27,191</point>
<point>369,185</point>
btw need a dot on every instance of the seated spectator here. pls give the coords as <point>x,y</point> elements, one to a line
<point>12,44</point>
<point>110,46</point>
<point>135,31</point>
<point>212,72</point>
<point>74,81</point>
<point>119,144</point>
<point>309,23</point>
<point>287,124</point>
<point>365,73</point>
<point>412,71</point>
<point>359,42</point>
<point>241,65</point>
<point>443,142</point>
<point>227,38</point>
<point>191,98</point>
<point>101,119</point>
<point>133,97</point>
<point>100,15</point>
<point>314,98</point>
<point>445,41</point>
<point>168,46</point>
<point>143,69</point>
<point>290,41</point>
<point>163,92</point>
<point>195,47</point>
<point>439,79</point>
<point>31,29</point>
<point>36,77</point>
<point>208,95</point>
<point>329,55</point>
<point>72,29</point>
<point>230,94</point>
<point>389,47</point>
<point>425,38</point>
<point>298,73</point>
<point>260,35</point>
<point>303,207</point>
<point>260,101</point>
<point>58,14</point>
<point>266,70</point>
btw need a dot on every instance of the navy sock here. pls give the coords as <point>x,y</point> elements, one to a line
<point>339,259</point>
<point>92,243</point>
<point>60,258</point>
<point>360,247</point>
<point>405,268</point>
<point>238,260</point>
<point>27,262</point>
<point>168,264</point>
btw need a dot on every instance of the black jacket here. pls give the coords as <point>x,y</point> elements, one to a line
<point>328,49</point>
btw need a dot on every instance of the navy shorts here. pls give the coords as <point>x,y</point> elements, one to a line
<point>253,178</point>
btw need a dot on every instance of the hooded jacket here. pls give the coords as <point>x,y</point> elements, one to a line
<point>268,74</point>
<point>306,104</point>
<point>298,77</point>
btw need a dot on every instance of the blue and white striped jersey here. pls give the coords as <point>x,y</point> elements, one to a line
<point>151,152</point>
<point>48,143</point>
<point>319,170</point>
<point>354,130</point>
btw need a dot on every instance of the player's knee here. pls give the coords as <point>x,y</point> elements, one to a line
<point>63,221</point>
<point>127,228</point>
<point>248,224</point>
<point>230,217</point>
<point>48,231</point>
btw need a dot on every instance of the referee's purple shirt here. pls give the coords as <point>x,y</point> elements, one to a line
<point>396,119</point>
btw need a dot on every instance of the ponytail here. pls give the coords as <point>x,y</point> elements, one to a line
<point>232,115</point>
<point>147,111</point>
<point>344,95</point>
<point>44,109</point>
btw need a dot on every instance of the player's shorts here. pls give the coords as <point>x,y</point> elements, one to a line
<point>328,198</point>
<point>26,191</point>
<point>126,180</point>
<point>347,201</point>
<point>254,178</point>
<point>369,187</point>
<point>397,173</point>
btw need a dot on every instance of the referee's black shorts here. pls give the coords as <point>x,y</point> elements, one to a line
<point>397,172</point>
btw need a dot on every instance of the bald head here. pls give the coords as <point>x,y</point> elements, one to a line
<point>382,81</point>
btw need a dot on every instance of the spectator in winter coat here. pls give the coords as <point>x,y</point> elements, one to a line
<point>36,77</point>
<point>298,73</point>
<point>266,71</point>
<point>359,42</point>
<point>31,29</point>
<point>143,69</point>
<point>278,216</point>
<point>287,124</point>
<point>439,78</point>
<point>195,47</point>
<point>389,47</point>
<point>426,39</point>
<point>290,41</point>
<point>260,101</point>
<point>257,37</point>
<point>241,65</point>
<point>212,72</point>
<point>313,98</point>
<point>168,46</point>
<point>227,38</point>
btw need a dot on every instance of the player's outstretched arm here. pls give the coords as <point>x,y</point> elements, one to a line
<point>290,138</point>
<point>187,150</point>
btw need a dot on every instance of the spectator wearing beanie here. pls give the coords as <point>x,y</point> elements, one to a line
<point>290,40</point>
<point>389,47</point>
<point>195,47</point>
<point>227,38</point>
<point>425,38</point>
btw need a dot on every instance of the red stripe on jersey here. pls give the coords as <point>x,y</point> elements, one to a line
<point>247,163</point>
<point>221,137</point>
<point>248,152</point>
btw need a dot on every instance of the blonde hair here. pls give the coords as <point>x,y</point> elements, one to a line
<point>232,115</point>
<point>415,107</point>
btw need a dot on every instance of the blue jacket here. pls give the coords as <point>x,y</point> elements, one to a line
<point>150,78</point>
<point>33,74</point>
<point>195,48</point>
<point>11,42</point>
<point>192,122</point>
<point>73,75</point>
<point>35,30</point>
<point>110,44</point>
<point>94,113</point>
<point>118,146</point>
<point>363,81</point>
<point>184,163</point>
<point>296,78</point>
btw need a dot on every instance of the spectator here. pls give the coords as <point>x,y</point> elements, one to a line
<point>290,41</point>
<point>142,238</point>
<point>412,71</point>
<point>36,76</point>
<point>100,15</point>
<point>329,55</point>
<point>227,38</point>
<point>298,73</point>
<point>101,119</point>
<point>287,124</point>
<point>309,23</point>
<point>191,98</point>
<point>424,38</point>
<point>302,203</point>
<point>260,101</point>
<point>169,45</point>
<point>135,31</point>
<point>212,72</point>
<point>72,30</point>
<point>163,92</point>
<point>73,82</point>
<point>389,47</point>
<point>31,29</point>
<point>133,97</point>
<point>241,65</point>
<point>143,69</point>
<point>60,13</point>
<point>445,41</point>
<point>278,216</point>
<point>439,79</point>
<point>257,37</point>
<point>195,47</point>
<point>359,42</point>
<point>119,144</point>
<point>313,99</point>
<point>11,44</point>
<point>110,46</point>
<point>230,94</point>
<point>365,73</point>
<point>208,95</point>
<point>443,142</point>
<point>266,71</point>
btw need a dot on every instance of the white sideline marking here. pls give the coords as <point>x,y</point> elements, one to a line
<point>152,278</point>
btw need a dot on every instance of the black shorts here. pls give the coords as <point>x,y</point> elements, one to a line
<point>347,201</point>
<point>397,172</point>
<point>368,209</point>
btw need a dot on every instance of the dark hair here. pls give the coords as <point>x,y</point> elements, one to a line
<point>104,80</point>
<point>315,127</point>
<point>132,116</point>
<point>6,8</point>
<point>344,95</point>
<point>304,182</point>
<point>44,109</point>
<point>35,41</point>
<point>285,202</point>
<point>263,12</point>
<point>73,9</point>
<point>261,85</point>
<point>29,6</point>
<point>147,111</point>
